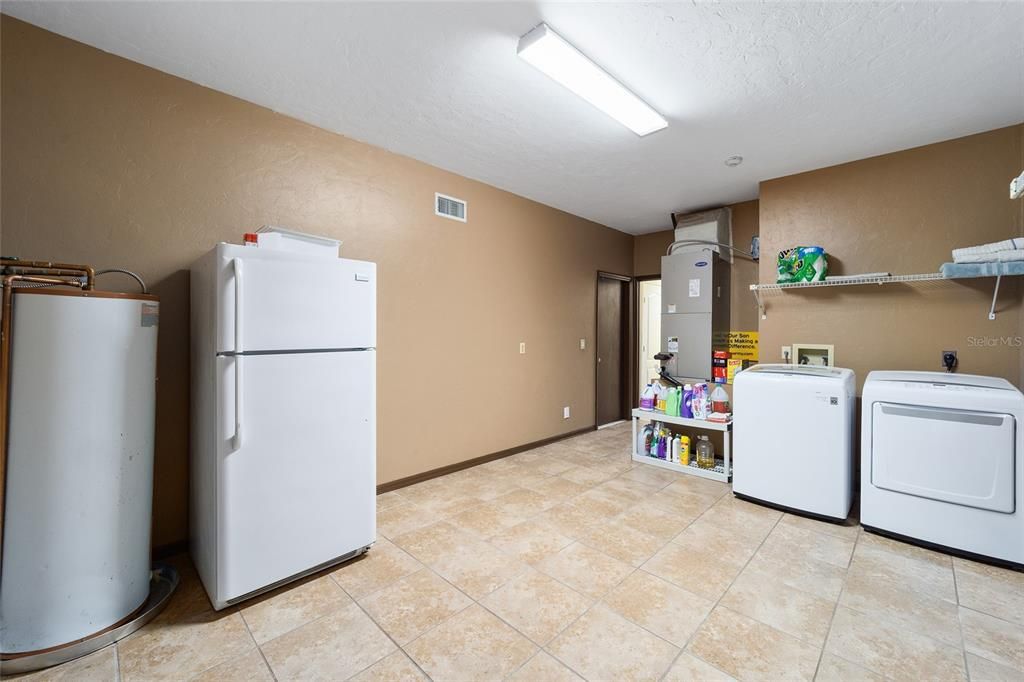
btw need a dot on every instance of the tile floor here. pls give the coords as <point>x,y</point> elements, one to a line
<point>569,562</point>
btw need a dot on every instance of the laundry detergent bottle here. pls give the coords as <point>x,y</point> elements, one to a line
<point>686,408</point>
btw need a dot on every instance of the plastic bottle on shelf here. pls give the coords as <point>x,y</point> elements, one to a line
<point>675,450</point>
<point>705,453</point>
<point>672,403</point>
<point>720,400</point>
<point>686,407</point>
<point>647,398</point>
<point>684,450</point>
<point>663,445</point>
<point>643,440</point>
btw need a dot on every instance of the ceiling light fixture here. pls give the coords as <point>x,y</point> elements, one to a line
<point>558,59</point>
<point>733,161</point>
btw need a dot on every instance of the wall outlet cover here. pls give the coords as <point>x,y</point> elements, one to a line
<point>583,344</point>
<point>522,348</point>
<point>565,412</point>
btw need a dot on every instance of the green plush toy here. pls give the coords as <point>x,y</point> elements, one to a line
<point>802,264</point>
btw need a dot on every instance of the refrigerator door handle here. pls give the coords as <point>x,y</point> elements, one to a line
<point>236,440</point>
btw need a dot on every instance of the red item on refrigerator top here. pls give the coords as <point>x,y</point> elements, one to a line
<point>724,354</point>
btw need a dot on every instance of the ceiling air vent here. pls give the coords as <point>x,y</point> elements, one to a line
<point>449,207</point>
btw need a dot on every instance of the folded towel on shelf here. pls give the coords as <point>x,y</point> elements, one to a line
<point>994,257</point>
<point>1005,245</point>
<point>989,269</point>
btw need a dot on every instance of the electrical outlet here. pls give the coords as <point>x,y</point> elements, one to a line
<point>583,344</point>
<point>522,348</point>
<point>565,412</point>
<point>786,353</point>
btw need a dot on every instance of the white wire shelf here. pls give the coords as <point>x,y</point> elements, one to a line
<point>760,290</point>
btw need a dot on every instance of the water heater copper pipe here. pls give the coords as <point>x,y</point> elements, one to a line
<point>5,353</point>
<point>42,267</point>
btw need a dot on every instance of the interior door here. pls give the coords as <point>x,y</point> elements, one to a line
<point>650,330</point>
<point>298,488</point>
<point>612,297</point>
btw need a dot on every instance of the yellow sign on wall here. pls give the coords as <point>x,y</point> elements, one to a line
<point>742,345</point>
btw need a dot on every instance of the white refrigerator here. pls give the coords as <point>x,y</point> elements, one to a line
<point>283,455</point>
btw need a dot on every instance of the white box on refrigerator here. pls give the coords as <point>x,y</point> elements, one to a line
<point>283,416</point>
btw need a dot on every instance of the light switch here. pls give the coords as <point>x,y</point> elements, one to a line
<point>583,344</point>
<point>522,348</point>
<point>565,412</point>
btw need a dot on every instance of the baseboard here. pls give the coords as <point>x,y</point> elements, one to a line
<point>459,466</point>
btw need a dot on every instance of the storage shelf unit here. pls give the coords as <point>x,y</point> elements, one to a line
<point>760,290</point>
<point>723,469</point>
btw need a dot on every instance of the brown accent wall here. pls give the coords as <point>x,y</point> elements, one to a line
<point>649,248</point>
<point>111,163</point>
<point>900,213</point>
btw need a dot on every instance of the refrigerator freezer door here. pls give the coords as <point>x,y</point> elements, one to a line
<point>300,490</point>
<point>272,300</point>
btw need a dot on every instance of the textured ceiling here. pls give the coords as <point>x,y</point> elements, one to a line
<point>789,86</point>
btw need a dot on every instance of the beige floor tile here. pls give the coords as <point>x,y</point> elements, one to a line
<point>773,603</point>
<point>659,606</point>
<point>891,650</point>
<point>848,530</point>
<point>478,568</point>
<point>903,569</point>
<point>390,499</point>
<point>489,518</point>
<point>800,572</point>
<point>184,648</point>
<point>793,541</point>
<point>690,486</point>
<point>585,569</point>
<point>750,650</point>
<point>834,669</point>
<point>905,549</point>
<point>408,608</point>
<point>334,647</point>
<point>689,668</point>
<point>99,666</point>
<point>601,504</point>
<point>585,476</point>
<point>994,639</point>
<point>557,490</point>
<point>473,645</point>
<point>631,490</point>
<point>249,667</point>
<point>544,668</point>
<point>603,645</point>
<point>658,478</point>
<point>382,565</point>
<point>622,542</point>
<point>555,463</point>
<point>523,503</point>
<point>190,599</point>
<point>686,503</point>
<point>654,520</point>
<point>530,541</point>
<point>433,542</point>
<point>706,575</point>
<point>570,520</point>
<point>536,605</point>
<point>916,611</point>
<point>396,667</point>
<point>983,670</point>
<point>402,518</point>
<point>996,591</point>
<point>290,606</point>
<point>706,536</point>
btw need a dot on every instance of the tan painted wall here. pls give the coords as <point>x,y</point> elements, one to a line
<point>900,213</point>
<point>649,248</point>
<point>111,163</point>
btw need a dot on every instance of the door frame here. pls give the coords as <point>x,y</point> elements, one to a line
<point>634,325</point>
<point>626,370</point>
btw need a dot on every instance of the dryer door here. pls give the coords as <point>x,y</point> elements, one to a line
<point>956,456</point>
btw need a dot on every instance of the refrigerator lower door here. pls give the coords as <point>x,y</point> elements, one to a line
<point>297,469</point>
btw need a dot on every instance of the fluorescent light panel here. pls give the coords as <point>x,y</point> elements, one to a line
<point>552,54</point>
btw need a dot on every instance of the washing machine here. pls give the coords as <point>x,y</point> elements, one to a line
<point>941,462</point>
<point>793,428</point>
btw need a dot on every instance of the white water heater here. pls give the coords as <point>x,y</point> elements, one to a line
<point>79,467</point>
